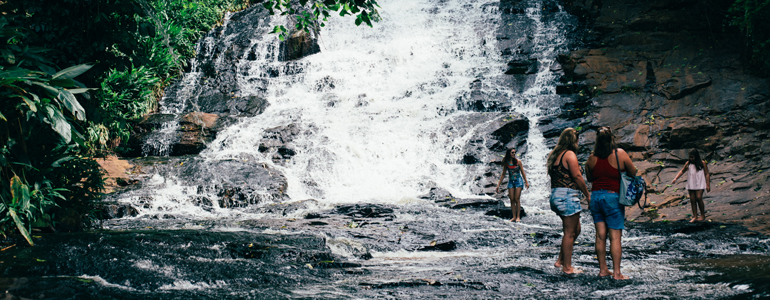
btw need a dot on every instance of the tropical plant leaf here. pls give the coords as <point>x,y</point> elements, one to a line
<point>58,162</point>
<point>30,103</point>
<point>19,193</point>
<point>72,104</point>
<point>20,225</point>
<point>59,123</point>
<point>54,92</point>
<point>80,91</point>
<point>72,72</point>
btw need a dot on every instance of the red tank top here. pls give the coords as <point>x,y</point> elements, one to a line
<point>605,176</point>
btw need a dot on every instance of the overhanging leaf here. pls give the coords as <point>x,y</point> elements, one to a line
<point>72,72</point>
<point>79,91</point>
<point>54,92</point>
<point>21,227</point>
<point>69,101</point>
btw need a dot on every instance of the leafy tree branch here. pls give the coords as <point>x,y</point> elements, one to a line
<point>309,13</point>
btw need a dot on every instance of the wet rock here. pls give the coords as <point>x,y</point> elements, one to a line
<point>438,195</point>
<point>118,210</point>
<point>155,121</point>
<point>515,131</point>
<point>445,246</point>
<point>366,211</point>
<point>522,67</point>
<point>288,208</point>
<point>472,203</point>
<point>298,45</point>
<point>505,213</point>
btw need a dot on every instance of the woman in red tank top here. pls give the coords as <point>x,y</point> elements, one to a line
<point>609,216</point>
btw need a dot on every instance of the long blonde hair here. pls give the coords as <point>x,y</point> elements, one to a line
<point>568,140</point>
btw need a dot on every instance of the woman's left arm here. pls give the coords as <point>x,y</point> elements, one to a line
<point>523,174</point>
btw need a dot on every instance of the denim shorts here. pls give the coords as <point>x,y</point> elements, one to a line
<point>565,201</point>
<point>605,208</point>
<point>517,182</point>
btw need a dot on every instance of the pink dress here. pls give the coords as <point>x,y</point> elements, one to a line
<point>696,180</point>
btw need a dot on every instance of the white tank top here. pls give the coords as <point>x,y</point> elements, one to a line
<point>696,180</point>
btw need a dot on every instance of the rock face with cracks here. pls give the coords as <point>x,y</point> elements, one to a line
<point>667,82</point>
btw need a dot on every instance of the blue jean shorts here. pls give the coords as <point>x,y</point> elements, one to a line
<point>605,208</point>
<point>565,201</point>
<point>517,182</point>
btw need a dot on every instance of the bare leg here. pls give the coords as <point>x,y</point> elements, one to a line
<point>601,248</point>
<point>571,228</point>
<point>694,206</point>
<point>517,211</point>
<point>699,203</point>
<point>616,251</point>
<point>511,195</point>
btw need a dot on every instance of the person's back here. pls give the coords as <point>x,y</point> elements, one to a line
<point>605,174</point>
<point>560,175</point>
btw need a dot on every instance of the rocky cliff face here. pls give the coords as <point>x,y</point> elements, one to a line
<point>668,77</point>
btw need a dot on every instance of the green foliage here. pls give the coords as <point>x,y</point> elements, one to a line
<point>751,16</point>
<point>125,40</point>
<point>38,131</point>
<point>310,13</point>
<point>125,95</point>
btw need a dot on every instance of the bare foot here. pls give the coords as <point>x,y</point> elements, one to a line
<point>693,220</point>
<point>605,274</point>
<point>620,277</point>
<point>518,219</point>
<point>512,220</point>
<point>557,264</point>
<point>703,218</point>
<point>571,271</point>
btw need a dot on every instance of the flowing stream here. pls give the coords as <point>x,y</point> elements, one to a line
<point>378,118</point>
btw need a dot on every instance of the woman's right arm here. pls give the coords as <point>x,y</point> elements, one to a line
<point>502,176</point>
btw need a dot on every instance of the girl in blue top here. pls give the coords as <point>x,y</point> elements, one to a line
<point>515,183</point>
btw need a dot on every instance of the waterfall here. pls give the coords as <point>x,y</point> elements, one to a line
<point>376,112</point>
<point>373,102</point>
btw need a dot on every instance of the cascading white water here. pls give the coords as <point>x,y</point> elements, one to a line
<point>374,106</point>
<point>549,40</point>
<point>377,135</point>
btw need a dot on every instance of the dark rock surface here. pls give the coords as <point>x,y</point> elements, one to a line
<point>667,81</point>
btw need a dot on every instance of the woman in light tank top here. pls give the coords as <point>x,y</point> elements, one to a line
<point>698,179</point>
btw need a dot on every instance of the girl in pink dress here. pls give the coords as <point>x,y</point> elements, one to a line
<point>698,179</point>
